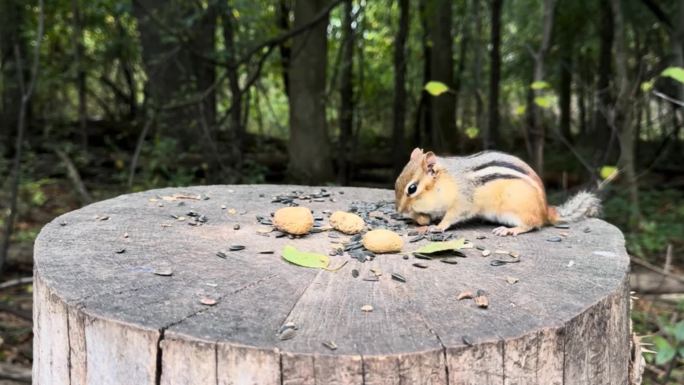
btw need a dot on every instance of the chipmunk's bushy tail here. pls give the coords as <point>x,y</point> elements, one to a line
<point>582,205</point>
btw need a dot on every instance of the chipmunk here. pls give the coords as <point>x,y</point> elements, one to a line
<point>492,185</point>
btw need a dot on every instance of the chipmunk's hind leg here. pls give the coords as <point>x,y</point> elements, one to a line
<point>504,231</point>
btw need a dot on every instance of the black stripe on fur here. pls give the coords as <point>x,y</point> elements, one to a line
<point>492,177</point>
<point>501,163</point>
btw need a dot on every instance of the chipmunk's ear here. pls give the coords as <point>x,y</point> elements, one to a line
<point>429,162</point>
<point>416,153</point>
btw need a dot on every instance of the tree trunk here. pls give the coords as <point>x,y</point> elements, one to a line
<point>235,128</point>
<point>537,127</point>
<point>622,120</point>
<point>491,134</point>
<point>309,146</point>
<point>444,136</point>
<point>566,68</point>
<point>80,73</point>
<point>479,45</point>
<point>168,67</point>
<point>423,133</point>
<point>11,16</point>
<point>283,17</point>
<point>346,94</point>
<point>399,150</point>
<point>462,59</point>
<point>601,131</point>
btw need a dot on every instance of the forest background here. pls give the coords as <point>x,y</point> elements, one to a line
<point>104,97</point>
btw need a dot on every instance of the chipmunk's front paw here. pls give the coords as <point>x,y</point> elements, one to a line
<point>422,219</point>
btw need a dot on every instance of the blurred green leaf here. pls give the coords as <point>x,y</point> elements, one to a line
<point>679,331</point>
<point>665,351</point>
<point>647,86</point>
<point>540,85</point>
<point>676,73</point>
<point>472,132</point>
<point>607,171</point>
<point>436,247</point>
<point>436,88</point>
<point>543,101</point>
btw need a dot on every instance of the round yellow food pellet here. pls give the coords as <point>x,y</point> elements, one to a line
<point>347,223</point>
<point>293,220</point>
<point>383,241</point>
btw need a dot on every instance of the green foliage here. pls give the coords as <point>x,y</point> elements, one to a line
<point>607,171</point>
<point>544,101</point>
<point>662,222</point>
<point>540,85</point>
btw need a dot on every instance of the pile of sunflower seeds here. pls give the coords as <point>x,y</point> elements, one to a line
<point>289,198</point>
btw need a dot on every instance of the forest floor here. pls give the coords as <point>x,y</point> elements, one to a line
<point>657,315</point>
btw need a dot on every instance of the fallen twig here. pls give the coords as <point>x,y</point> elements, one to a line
<point>16,282</point>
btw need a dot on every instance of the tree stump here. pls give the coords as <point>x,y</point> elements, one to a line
<point>123,292</point>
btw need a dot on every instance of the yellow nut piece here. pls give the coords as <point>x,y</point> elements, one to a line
<point>347,223</point>
<point>293,220</point>
<point>383,241</point>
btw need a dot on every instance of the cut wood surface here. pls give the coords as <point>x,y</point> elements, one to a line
<point>104,314</point>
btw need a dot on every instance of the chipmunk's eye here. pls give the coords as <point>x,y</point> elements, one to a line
<point>412,189</point>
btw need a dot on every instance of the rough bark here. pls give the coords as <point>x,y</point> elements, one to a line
<point>623,111</point>
<point>491,134</point>
<point>399,153</point>
<point>346,95</point>
<point>309,146</point>
<point>439,22</point>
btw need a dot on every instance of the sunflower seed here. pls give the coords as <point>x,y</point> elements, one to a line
<point>355,273</point>
<point>367,308</point>
<point>480,237</point>
<point>587,230</point>
<point>266,251</point>
<point>467,341</point>
<point>164,272</point>
<point>417,238</point>
<point>405,256</point>
<point>481,248</point>
<point>287,334</point>
<point>512,280</point>
<point>398,277</point>
<point>486,253</point>
<point>554,239</point>
<point>421,256</point>
<point>561,226</point>
<point>330,345</point>
<point>279,234</point>
<point>236,226</point>
<point>450,261</point>
<point>420,265</point>
<point>221,254</point>
<point>371,278</point>
<point>120,251</point>
<point>236,247</point>
<point>207,301</point>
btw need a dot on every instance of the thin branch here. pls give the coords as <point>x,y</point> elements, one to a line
<point>138,147</point>
<point>669,99</point>
<point>74,176</point>
<point>656,269</point>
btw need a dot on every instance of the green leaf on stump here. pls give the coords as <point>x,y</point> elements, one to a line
<point>436,88</point>
<point>305,259</point>
<point>436,247</point>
